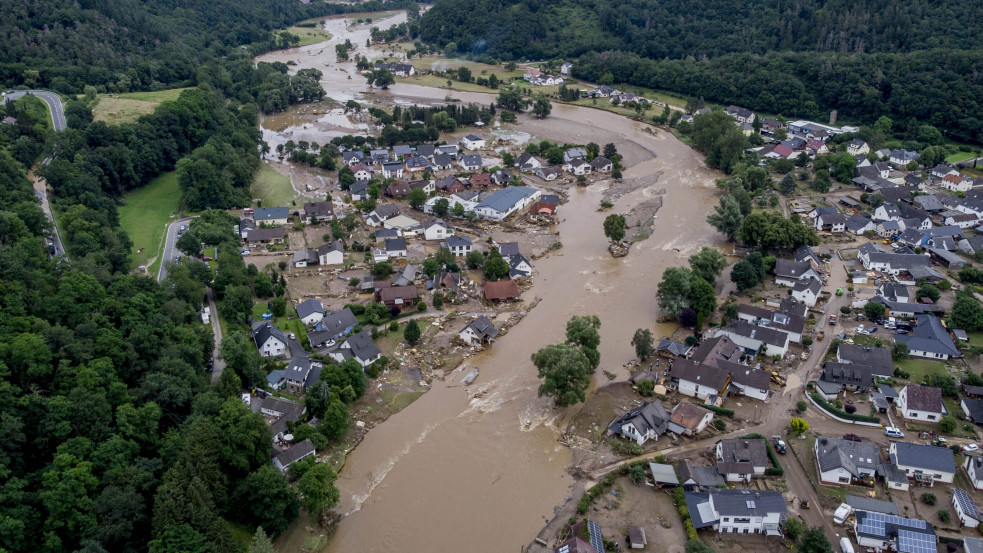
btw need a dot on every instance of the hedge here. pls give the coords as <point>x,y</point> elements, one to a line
<point>595,491</point>
<point>718,410</point>
<point>680,496</point>
<point>818,398</point>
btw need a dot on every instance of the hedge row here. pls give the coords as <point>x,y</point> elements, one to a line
<point>680,497</point>
<point>718,410</point>
<point>595,491</point>
<point>818,398</point>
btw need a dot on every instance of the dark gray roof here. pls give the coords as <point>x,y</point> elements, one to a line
<point>336,322</point>
<point>875,505</point>
<point>966,503</point>
<point>834,453</point>
<point>442,160</point>
<point>648,416</point>
<point>888,391</point>
<point>791,269</point>
<point>878,359</point>
<point>746,376</point>
<point>745,450</point>
<point>336,246</point>
<point>973,545</point>
<point>927,457</point>
<point>308,307</point>
<point>804,253</point>
<point>470,160</point>
<point>288,410</point>
<point>700,475</point>
<point>975,408</point>
<point>362,346</point>
<point>265,234</point>
<point>739,503</point>
<point>483,327</point>
<point>929,335</point>
<point>848,374</point>
<point>265,213</point>
<point>715,349</point>
<point>675,348</point>
<point>458,241</point>
<point>508,249</point>
<point>386,211</point>
<point>395,244</point>
<point>295,453</point>
<point>298,369</point>
<point>764,334</point>
<point>263,333</point>
<point>699,373</point>
<point>828,388</point>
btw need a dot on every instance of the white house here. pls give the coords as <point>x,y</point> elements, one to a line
<point>362,172</point>
<point>310,311</point>
<point>973,465</point>
<point>789,272</point>
<point>889,532</point>
<point>459,245</point>
<point>396,248</point>
<point>956,182</point>
<point>296,452</point>
<point>966,510</point>
<point>924,463</point>
<point>478,331</point>
<point>393,170</point>
<point>753,383</point>
<point>435,229</point>
<point>738,511</point>
<point>519,267</point>
<point>578,167</point>
<point>857,147</point>
<point>922,403</point>
<point>270,341</point>
<point>472,142</point>
<point>845,461</point>
<point>752,337</point>
<point>688,419</point>
<point>643,423</point>
<point>741,458</point>
<point>699,380</point>
<point>807,292</point>
<point>358,347</point>
<point>506,201</point>
<point>332,253</point>
<point>470,162</point>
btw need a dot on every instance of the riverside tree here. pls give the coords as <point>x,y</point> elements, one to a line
<point>708,264</point>
<point>614,227</point>
<point>565,372</point>
<point>727,217</point>
<point>643,342</point>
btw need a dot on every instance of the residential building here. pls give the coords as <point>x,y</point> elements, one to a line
<point>504,202</point>
<point>332,326</point>
<point>900,157</point>
<point>527,162</point>
<point>738,511</point>
<point>436,229</point>
<point>273,216</point>
<point>789,323</point>
<point>397,69</point>
<point>922,403</point>
<point>924,463</point>
<point>472,142</point>
<point>479,331</point>
<point>470,162</point>
<point>359,190</point>
<point>705,382</point>
<point>671,350</point>
<point>319,211</point>
<point>398,189</point>
<point>602,164</point>
<point>382,213</point>
<point>688,419</point>
<point>396,248</point>
<point>973,408</point>
<point>547,173</point>
<point>973,465</point>
<point>929,339</point>
<point>882,532</point>
<point>807,291</point>
<point>393,169</point>
<point>846,375</point>
<point>442,162</point>
<point>846,461</point>
<point>266,236</point>
<point>519,267</point>
<point>716,349</point>
<point>310,312</point>
<point>501,290</point>
<point>643,423</point>
<point>753,338</point>
<point>578,167</point>
<point>571,154</point>
<point>743,115</point>
<point>789,272</point>
<point>750,382</point>
<point>270,340</point>
<point>459,245</point>
<point>301,373</point>
<point>304,258</point>
<point>965,508</point>
<point>293,454</point>
<point>361,172</point>
<point>694,477</point>
<point>877,359</point>
<point>741,458</point>
<point>245,225</point>
<point>359,347</point>
<point>857,147</point>
<point>480,180</point>
<point>332,253</point>
<point>397,296</point>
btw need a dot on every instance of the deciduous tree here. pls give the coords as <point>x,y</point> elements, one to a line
<point>643,342</point>
<point>565,372</point>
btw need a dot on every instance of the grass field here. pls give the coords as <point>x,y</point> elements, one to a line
<point>272,188</point>
<point>119,108</point>
<point>146,213</point>
<point>309,35</point>
<point>920,368</point>
<point>960,156</point>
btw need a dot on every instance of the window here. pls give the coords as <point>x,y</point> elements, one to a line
<point>931,417</point>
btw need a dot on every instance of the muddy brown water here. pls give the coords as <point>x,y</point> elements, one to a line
<point>480,467</point>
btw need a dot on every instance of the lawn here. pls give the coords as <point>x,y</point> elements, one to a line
<point>310,35</point>
<point>920,368</point>
<point>285,323</point>
<point>155,96</point>
<point>960,156</point>
<point>119,108</point>
<point>146,213</point>
<point>273,189</point>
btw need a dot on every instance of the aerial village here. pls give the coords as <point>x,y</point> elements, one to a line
<point>877,445</point>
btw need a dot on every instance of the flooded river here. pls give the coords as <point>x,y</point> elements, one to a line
<point>480,468</point>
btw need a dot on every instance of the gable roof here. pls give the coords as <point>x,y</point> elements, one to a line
<point>763,334</point>
<point>296,452</point>
<point>835,453</point>
<point>265,332</point>
<point>337,322</point>
<point>698,373</point>
<point>458,241</point>
<point>501,290</point>
<point>648,416</point>
<point>792,269</point>
<point>675,348</point>
<point>744,450</point>
<point>266,213</point>
<point>688,415</point>
<point>929,335</point>
<point>966,503</point>
<point>938,459</point>
<point>308,307</point>
<point>362,346</point>
<point>318,209</point>
<point>877,358</point>
<point>715,349</point>
<point>503,200</point>
<point>700,475</point>
<point>265,234</point>
<point>747,377</point>
<point>924,398</point>
<point>875,505</point>
<point>482,327</point>
<point>848,373</point>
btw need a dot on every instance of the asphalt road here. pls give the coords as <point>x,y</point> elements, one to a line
<point>170,247</point>
<point>55,106</point>
<point>217,332</point>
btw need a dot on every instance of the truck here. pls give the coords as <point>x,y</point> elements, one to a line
<point>845,545</point>
<point>205,314</point>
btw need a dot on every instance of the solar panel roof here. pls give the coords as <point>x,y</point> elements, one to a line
<point>913,535</point>
<point>594,531</point>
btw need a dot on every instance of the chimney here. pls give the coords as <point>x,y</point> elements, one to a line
<point>746,444</point>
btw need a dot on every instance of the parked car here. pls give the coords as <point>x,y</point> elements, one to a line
<point>893,432</point>
<point>852,438</point>
<point>970,448</point>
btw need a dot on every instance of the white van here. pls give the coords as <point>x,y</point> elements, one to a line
<point>842,512</point>
<point>893,432</point>
<point>845,545</point>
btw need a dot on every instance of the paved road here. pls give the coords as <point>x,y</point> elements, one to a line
<point>41,191</point>
<point>170,247</point>
<point>55,106</point>
<point>217,331</point>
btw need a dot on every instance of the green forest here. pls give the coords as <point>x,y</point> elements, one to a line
<point>904,59</point>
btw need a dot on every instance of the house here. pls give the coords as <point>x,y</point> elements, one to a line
<point>966,510</point>
<point>972,545</point>
<point>887,212</point>
<point>527,162</point>
<point>914,181</point>
<point>578,167</point>
<point>435,229</point>
<point>846,461</point>
<point>863,503</point>
<point>459,245</point>
<point>882,532</point>
<point>359,190</point>
<point>817,147</point>
<point>693,477</point>
<point>276,379</point>
<point>788,272</point>
<point>397,69</point>
<point>972,244</point>
<point>378,157</point>
<point>704,382</point>
<point>895,292</point>
<point>741,458</point>
<point>743,115</point>
<point>500,290</point>
<point>929,339</point>
<point>502,203</point>
<point>973,465</point>
<point>472,142</point>
<point>406,277</point>
<point>274,216</point>
<point>245,226</point>
<point>295,453</point>
<point>547,173</point>
<point>738,511</point>
<point>887,229</point>
<point>901,158</point>
<point>301,373</point>
<point>956,183</point>
<point>846,375</point>
<point>753,338</point>
<point>397,296</point>
<point>442,162</point>
<point>270,340</point>
<point>353,157</point>
<point>382,213</point>
<point>332,253</point>
<point>304,258</point>
<point>921,403</point>
<point>383,233</point>
<point>789,323</point>
<point>571,154</point>
<point>334,325</point>
<point>266,236</point>
<point>688,419</point>
<point>319,211</point>
<point>807,291</point>
<point>395,248</point>
<point>446,280</point>
<point>565,68</point>
<point>480,180</point>
<point>962,220</point>
<point>857,147</point>
<point>361,172</point>
<point>748,381</point>
<point>310,311</point>
<point>392,170</point>
<point>519,267</point>
<point>973,408</point>
<point>358,347</point>
<point>643,423</point>
<point>671,350</point>
<point>575,545</point>
<point>858,223</point>
<point>924,463</point>
<point>878,359</point>
<point>402,151</point>
<point>470,162</point>
<point>478,331</point>
<point>717,349</point>
<point>502,177</point>
<point>398,189</point>
<point>602,164</point>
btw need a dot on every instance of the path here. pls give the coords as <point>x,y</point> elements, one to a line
<point>217,332</point>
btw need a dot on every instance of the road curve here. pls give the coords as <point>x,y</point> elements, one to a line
<point>55,106</point>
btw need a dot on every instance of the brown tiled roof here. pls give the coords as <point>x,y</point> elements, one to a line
<point>393,293</point>
<point>501,290</point>
<point>688,415</point>
<point>924,398</point>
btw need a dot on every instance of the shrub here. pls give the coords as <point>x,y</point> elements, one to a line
<point>929,498</point>
<point>626,449</point>
<point>421,306</point>
<point>845,310</point>
<point>850,409</point>
<point>821,401</point>
<point>947,425</point>
<point>807,341</point>
<point>645,388</point>
<point>719,424</point>
<point>393,326</point>
<point>801,406</point>
<point>718,410</point>
<point>944,515</point>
